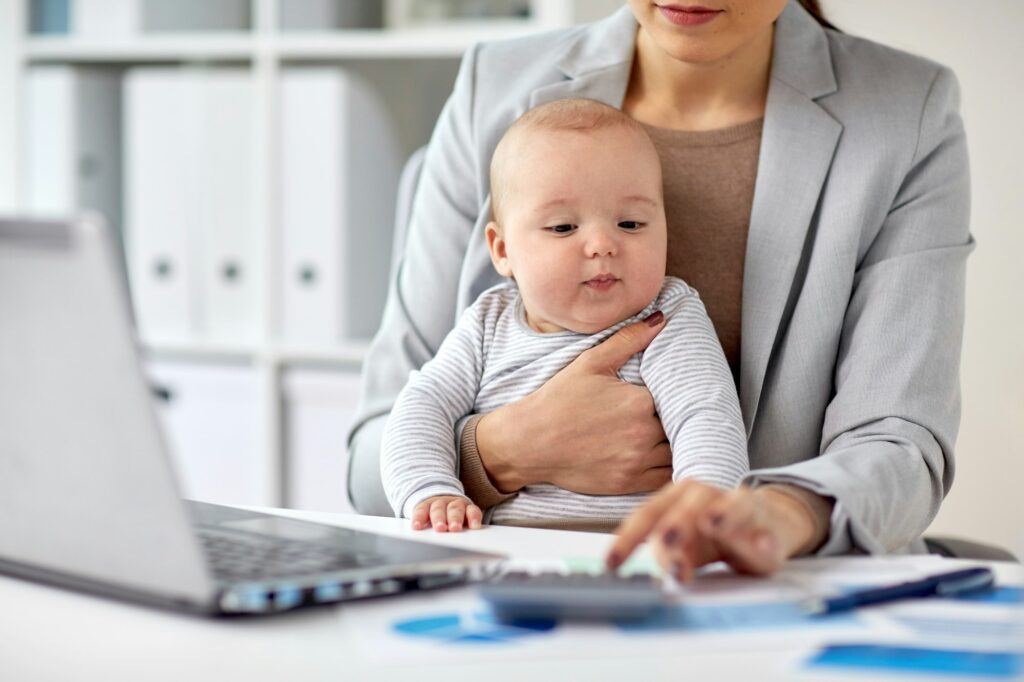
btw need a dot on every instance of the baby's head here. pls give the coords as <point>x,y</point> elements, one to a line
<point>578,217</point>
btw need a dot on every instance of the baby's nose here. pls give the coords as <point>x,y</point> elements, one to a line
<point>600,243</point>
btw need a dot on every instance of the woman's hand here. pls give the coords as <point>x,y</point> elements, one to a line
<point>584,430</point>
<point>690,524</point>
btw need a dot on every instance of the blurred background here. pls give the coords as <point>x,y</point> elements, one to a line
<point>248,154</point>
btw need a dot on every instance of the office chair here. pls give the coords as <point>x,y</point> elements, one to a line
<point>407,183</point>
<point>942,545</point>
<point>958,548</point>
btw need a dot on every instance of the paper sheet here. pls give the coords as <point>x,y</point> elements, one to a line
<point>721,610</point>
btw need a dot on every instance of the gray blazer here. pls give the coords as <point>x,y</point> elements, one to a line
<point>853,291</point>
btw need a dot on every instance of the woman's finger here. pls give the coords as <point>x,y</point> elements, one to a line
<point>609,356</point>
<point>677,532</point>
<point>637,525</point>
<point>667,547</point>
<point>736,525</point>
<point>733,513</point>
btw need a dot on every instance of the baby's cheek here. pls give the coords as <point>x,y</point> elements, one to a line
<point>535,290</point>
<point>546,284</point>
<point>650,285</point>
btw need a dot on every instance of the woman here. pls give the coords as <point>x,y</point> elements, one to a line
<point>836,281</point>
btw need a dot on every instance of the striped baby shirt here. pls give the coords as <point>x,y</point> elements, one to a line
<point>492,357</point>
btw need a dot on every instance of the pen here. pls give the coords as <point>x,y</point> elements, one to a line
<point>943,584</point>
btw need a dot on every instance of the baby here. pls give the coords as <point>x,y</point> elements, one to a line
<point>579,228</point>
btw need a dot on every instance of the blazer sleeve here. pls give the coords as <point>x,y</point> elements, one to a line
<point>421,303</point>
<point>886,452</point>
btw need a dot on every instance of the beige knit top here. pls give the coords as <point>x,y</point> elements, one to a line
<point>709,189</point>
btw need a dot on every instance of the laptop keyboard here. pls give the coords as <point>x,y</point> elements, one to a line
<point>238,559</point>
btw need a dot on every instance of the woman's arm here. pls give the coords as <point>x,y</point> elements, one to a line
<point>421,305</point>
<point>889,431</point>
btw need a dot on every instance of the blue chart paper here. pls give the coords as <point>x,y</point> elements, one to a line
<point>480,628</point>
<point>722,618</point>
<point>997,665</point>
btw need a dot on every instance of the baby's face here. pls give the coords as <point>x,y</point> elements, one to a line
<point>582,228</point>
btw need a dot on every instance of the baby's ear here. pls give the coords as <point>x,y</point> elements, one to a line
<point>497,249</point>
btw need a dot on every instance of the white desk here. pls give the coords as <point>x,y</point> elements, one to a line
<point>48,633</point>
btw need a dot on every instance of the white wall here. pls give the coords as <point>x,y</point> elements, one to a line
<point>981,41</point>
<point>12,22</point>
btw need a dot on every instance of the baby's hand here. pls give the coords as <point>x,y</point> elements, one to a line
<point>446,513</point>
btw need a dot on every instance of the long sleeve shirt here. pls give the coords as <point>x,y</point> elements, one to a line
<point>493,357</point>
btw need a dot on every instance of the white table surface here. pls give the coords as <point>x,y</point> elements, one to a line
<point>49,633</point>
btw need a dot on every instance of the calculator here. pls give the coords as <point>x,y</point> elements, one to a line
<point>518,595</point>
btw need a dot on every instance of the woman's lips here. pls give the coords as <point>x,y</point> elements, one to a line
<point>688,16</point>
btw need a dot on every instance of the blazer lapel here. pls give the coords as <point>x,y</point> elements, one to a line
<point>597,64</point>
<point>797,145</point>
<point>798,142</point>
<point>606,85</point>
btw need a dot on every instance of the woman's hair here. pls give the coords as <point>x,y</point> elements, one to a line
<point>814,7</point>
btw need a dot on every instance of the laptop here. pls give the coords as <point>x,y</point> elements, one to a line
<point>88,494</point>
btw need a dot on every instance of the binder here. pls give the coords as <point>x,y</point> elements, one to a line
<point>318,407</point>
<point>72,158</point>
<point>98,168</point>
<point>324,15</point>
<point>193,241</point>
<point>164,16</point>
<point>161,130</point>
<point>416,14</point>
<point>49,143</point>
<point>227,229</point>
<point>122,18</point>
<point>105,18</point>
<point>340,167</point>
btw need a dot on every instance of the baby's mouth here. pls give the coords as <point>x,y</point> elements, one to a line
<point>602,281</point>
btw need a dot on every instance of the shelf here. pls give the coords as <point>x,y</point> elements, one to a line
<point>442,42</point>
<point>148,48</point>
<point>348,353</point>
<point>397,44</point>
<point>200,350</point>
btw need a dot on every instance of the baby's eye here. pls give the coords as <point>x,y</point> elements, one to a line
<point>630,225</point>
<point>561,229</point>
